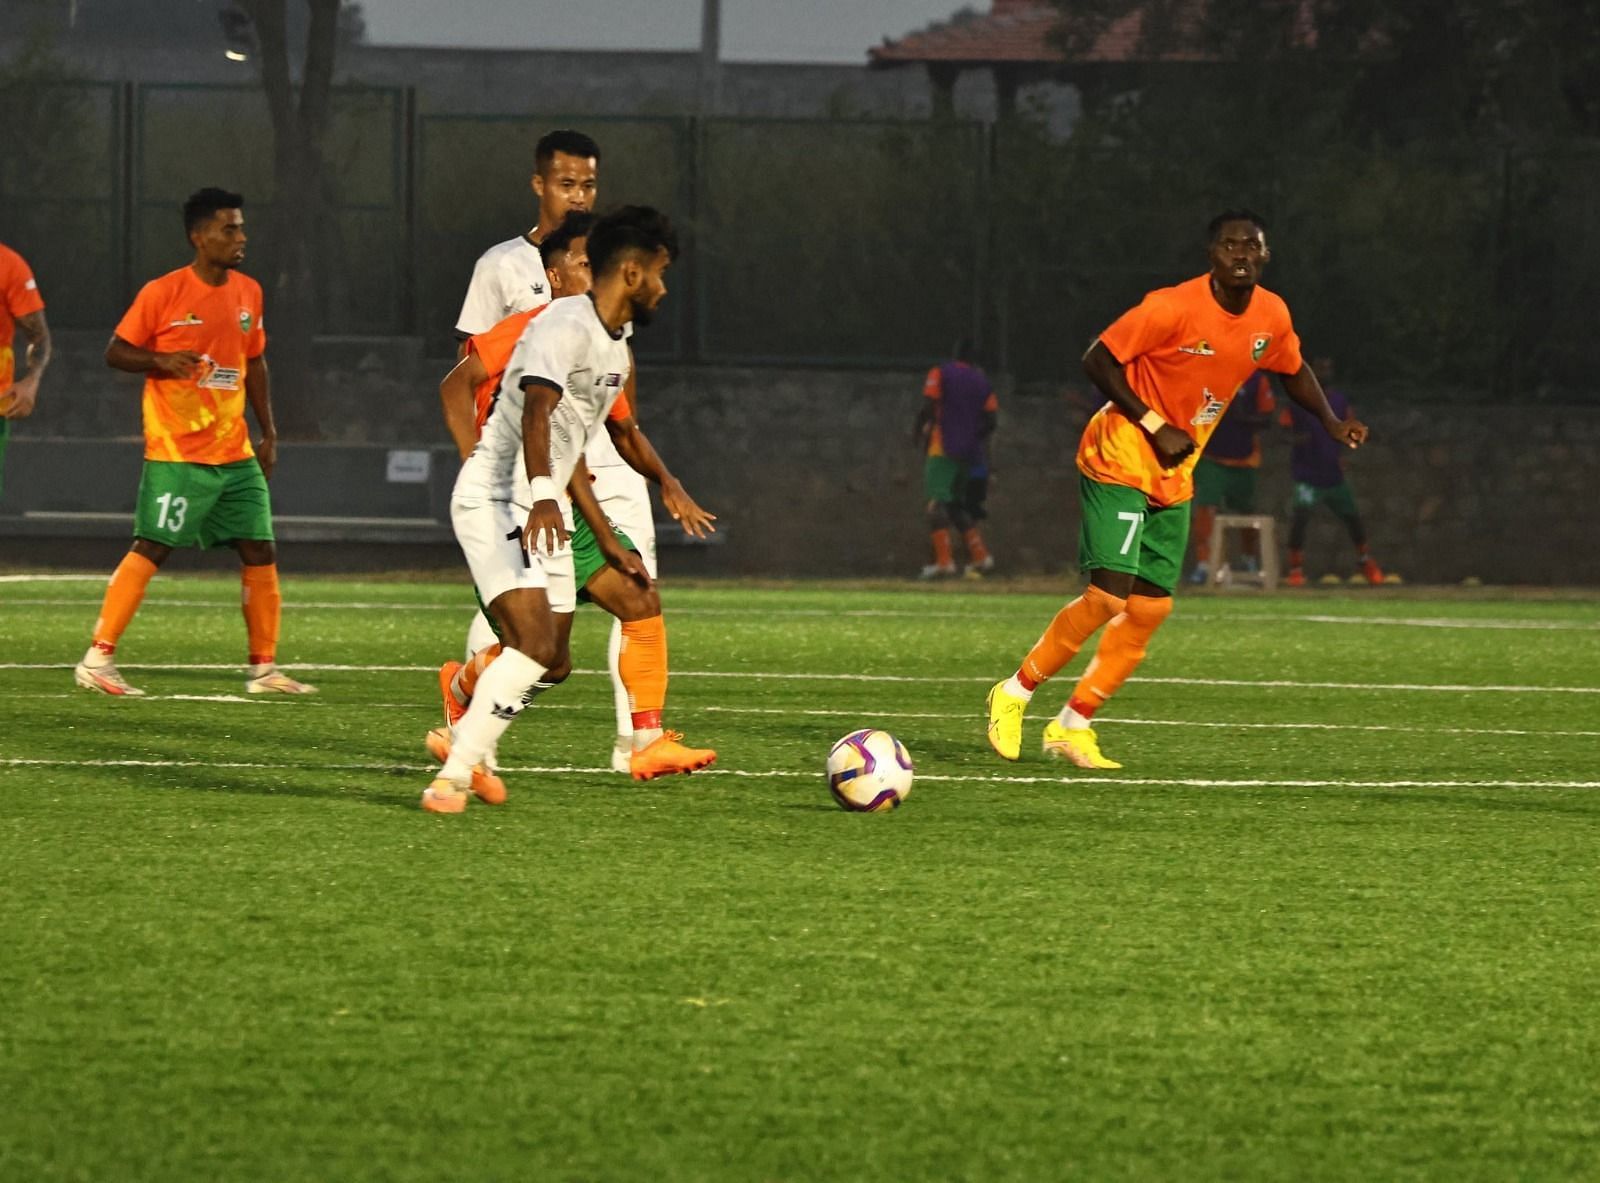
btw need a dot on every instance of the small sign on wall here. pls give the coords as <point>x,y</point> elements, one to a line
<point>409,467</point>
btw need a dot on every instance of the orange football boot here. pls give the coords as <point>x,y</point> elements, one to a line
<point>453,710</point>
<point>486,785</point>
<point>443,797</point>
<point>667,756</point>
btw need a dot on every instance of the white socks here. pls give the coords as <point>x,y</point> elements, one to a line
<point>619,693</point>
<point>511,682</point>
<point>1017,689</point>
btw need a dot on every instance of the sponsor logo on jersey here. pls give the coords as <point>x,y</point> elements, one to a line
<point>1201,348</point>
<point>538,288</point>
<point>1258,345</point>
<point>31,286</point>
<point>613,379</point>
<point>1211,412</point>
<point>215,377</point>
<point>189,319</point>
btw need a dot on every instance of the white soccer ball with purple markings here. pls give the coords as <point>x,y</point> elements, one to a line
<point>869,771</point>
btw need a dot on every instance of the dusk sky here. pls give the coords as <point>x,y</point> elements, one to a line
<point>752,30</point>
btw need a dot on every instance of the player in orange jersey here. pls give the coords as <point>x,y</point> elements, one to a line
<point>610,570</point>
<point>1168,369</point>
<point>21,307</point>
<point>196,335</point>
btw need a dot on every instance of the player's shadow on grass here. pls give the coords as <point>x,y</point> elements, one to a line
<point>396,788</point>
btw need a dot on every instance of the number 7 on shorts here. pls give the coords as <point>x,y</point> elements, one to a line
<point>1133,520</point>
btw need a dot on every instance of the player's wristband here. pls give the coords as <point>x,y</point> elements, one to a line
<point>1152,422</point>
<point>543,488</point>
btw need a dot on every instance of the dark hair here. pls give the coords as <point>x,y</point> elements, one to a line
<point>966,350</point>
<point>1234,215</point>
<point>573,143</point>
<point>559,241</point>
<point>631,228</point>
<point>203,205</point>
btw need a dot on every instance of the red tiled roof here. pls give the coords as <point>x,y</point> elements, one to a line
<point>1016,31</point>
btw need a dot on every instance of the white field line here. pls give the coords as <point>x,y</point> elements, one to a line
<point>855,712</point>
<point>813,774</point>
<point>967,679</point>
<point>990,609</point>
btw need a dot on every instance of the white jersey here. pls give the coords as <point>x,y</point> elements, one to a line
<point>508,277</point>
<point>570,348</point>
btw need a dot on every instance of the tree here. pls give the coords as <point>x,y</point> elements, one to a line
<point>300,120</point>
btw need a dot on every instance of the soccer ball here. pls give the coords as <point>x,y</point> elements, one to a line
<point>869,771</point>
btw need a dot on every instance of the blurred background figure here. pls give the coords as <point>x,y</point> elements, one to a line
<point>958,414</point>
<point>1225,477</point>
<point>1317,465</point>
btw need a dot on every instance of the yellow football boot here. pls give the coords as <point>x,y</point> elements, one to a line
<point>1077,744</point>
<point>1005,721</point>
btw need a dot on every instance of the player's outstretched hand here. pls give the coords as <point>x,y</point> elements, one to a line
<point>18,402</point>
<point>1352,433</point>
<point>1172,445</point>
<point>695,521</point>
<point>545,533</point>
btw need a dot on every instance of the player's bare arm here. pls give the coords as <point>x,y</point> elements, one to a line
<point>123,355</point>
<point>1171,444</point>
<point>544,520</point>
<point>457,400</point>
<point>258,392</point>
<point>1304,388</point>
<point>24,393</point>
<point>640,455</point>
<point>581,490</point>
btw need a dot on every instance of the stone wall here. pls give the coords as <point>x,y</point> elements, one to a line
<point>813,471</point>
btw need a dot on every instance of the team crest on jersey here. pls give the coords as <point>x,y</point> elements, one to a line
<point>1258,345</point>
<point>245,320</point>
<point>1201,348</point>
<point>1211,412</point>
<point>188,319</point>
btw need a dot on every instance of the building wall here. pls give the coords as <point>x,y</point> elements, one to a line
<point>813,471</point>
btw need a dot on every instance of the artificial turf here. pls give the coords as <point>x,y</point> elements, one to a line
<point>1335,919</point>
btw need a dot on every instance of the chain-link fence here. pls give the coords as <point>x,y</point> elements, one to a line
<point>844,243</point>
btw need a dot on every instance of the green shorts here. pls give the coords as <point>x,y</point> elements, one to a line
<point>1122,531</point>
<point>944,479</point>
<point>586,557</point>
<point>1338,498</point>
<point>1225,487</point>
<point>202,505</point>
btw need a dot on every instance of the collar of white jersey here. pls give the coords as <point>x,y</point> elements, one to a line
<point>622,335</point>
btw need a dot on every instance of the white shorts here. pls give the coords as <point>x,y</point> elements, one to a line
<point>490,534</point>
<point>624,498</point>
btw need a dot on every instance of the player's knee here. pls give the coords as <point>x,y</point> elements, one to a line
<point>256,552</point>
<point>959,517</point>
<point>1149,611</point>
<point>938,515</point>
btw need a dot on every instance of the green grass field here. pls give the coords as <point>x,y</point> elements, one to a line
<point>1335,919</point>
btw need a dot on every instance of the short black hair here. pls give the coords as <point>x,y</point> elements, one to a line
<point>1234,215</point>
<point>573,143</point>
<point>575,225</point>
<point>203,205</point>
<point>965,350</point>
<point>630,228</point>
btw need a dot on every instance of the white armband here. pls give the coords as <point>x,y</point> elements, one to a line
<point>543,488</point>
<point>1152,422</point>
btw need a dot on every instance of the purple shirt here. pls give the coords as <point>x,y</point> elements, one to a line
<point>962,394</point>
<point>1317,459</point>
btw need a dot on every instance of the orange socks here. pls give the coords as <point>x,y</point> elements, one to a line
<point>123,596</point>
<point>1072,626</point>
<point>977,552</point>
<point>643,666</point>
<point>941,548</point>
<point>1121,650</point>
<point>263,604</point>
<point>465,683</point>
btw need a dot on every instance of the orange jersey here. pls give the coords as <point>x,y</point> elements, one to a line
<point>19,296</point>
<point>1185,357</point>
<point>494,348</point>
<point>199,419</point>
